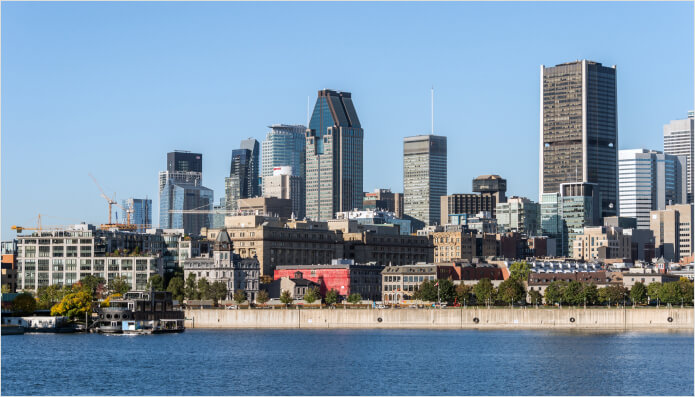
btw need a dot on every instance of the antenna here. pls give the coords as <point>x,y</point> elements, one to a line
<point>432,131</point>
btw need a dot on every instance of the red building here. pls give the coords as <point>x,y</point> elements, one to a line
<point>343,275</point>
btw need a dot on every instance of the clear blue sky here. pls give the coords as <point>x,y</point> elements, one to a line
<point>109,88</point>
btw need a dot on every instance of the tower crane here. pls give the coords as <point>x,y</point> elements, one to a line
<point>111,202</point>
<point>38,227</point>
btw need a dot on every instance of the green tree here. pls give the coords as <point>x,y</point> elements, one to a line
<point>519,271</point>
<point>73,305</point>
<point>426,291</point>
<point>218,290</point>
<point>92,283</point>
<point>511,290</point>
<point>464,293</point>
<point>157,282</point>
<point>239,296</point>
<point>589,294</point>
<point>535,297</point>
<point>670,293</point>
<point>190,291</point>
<point>311,295</point>
<point>49,296</point>
<point>24,304</point>
<point>484,291</point>
<point>204,289</point>
<point>686,290</point>
<point>118,285</point>
<point>286,297</point>
<point>554,293</point>
<point>176,287</point>
<point>612,294</point>
<point>262,297</point>
<point>653,291</point>
<point>447,292</point>
<point>354,298</point>
<point>638,293</point>
<point>5,289</point>
<point>331,297</point>
<point>572,293</point>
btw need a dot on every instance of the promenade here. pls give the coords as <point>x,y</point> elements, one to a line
<point>451,318</point>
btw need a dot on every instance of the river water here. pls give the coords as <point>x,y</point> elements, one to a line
<point>349,362</point>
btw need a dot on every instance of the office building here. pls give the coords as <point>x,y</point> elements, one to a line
<point>581,207</point>
<point>140,212</point>
<point>268,206</point>
<point>220,212</point>
<point>243,174</point>
<point>424,177</point>
<point>334,161</point>
<point>380,199</point>
<point>679,140</point>
<point>490,190</point>
<point>601,242</point>
<point>377,217</point>
<point>284,145</point>
<point>285,185</point>
<point>518,214</point>
<point>254,166</point>
<point>673,231</point>
<point>552,224</point>
<point>184,161</point>
<point>650,180</point>
<point>579,129</point>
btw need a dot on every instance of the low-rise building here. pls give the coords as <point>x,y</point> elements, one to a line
<point>271,206</point>
<point>540,281</point>
<point>297,286</point>
<point>629,279</point>
<point>9,265</point>
<point>462,244</point>
<point>602,242</point>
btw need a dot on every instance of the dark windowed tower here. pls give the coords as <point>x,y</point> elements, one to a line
<point>333,156</point>
<point>579,129</point>
<point>254,165</point>
<point>184,161</point>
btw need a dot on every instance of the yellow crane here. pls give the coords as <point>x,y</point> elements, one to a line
<point>38,227</point>
<point>110,201</point>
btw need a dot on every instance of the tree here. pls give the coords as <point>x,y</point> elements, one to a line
<point>511,290</point>
<point>218,289</point>
<point>239,296</point>
<point>285,297</point>
<point>447,292</point>
<point>190,291</point>
<point>535,297</point>
<point>670,293</point>
<point>107,301</point>
<point>262,297</point>
<point>555,292</point>
<point>24,304</point>
<point>354,298</point>
<point>331,297</point>
<point>519,271</point>
<point>311,295</point>
<point>653,291</point>
<point>157,282</point>
<point>119,285</point>
<point>204,289</point>
<point>484,291</point>
<point>464,293</point>
<point>686,290</point>
<point>176,287</point>
<point>572,293</point>
<point>73,305</point>
<point>589,294</point>
<point>5,289</point>
<point>612,294</point>
<point>92,283</point>
<point>49,296</point>
<point>638,292</point>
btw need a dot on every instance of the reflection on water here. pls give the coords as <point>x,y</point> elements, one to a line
<point>352,362</point>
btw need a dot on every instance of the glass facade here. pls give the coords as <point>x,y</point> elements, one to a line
<point>679,140</point>
<point>178,197</point>
<point>141,212</point>
<point>284,145</point>
<point>424,177</point>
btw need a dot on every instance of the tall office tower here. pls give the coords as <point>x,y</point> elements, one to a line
<point>141,212</point>
<point>424,177</point>
<point>239,184</point>
<point>679,140</point>
<point>284,145</point>
<point>579,129</point>
<point>333,157</point>
<point>581,207</point>
<point>283,184</point>
<point>673,231</point>
<point>254,165</point>
<point>650,180</point>
<point>181,190</point>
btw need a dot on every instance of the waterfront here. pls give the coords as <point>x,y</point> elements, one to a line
<point>350,362</point>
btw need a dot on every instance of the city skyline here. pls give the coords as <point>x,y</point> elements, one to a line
<point>135,137</point>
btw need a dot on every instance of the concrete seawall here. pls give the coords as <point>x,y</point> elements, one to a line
<point>469,318</point>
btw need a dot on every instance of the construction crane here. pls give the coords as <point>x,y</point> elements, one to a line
<point>103,194</point>
<point>110,201</point>
<point>38,227</point>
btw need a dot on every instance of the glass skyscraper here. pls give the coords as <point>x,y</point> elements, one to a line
<point>141,212</point>
<point>284,145</point>
<point>254,166</point>
<point>424,177</point>
<point>333,157</point>
<point>679,140</point>
<point>579,129</point>
<point>238,184</point>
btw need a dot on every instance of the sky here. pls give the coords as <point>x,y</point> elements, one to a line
<point>110,88</point>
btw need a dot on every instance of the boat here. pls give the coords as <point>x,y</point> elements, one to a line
<point>141,312</point>
<point>8,329</point>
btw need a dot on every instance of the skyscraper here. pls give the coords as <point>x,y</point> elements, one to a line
<point>181,190</point>
<point>424,177</point>
<point>579,129</point>
<point>650,180</point>
<point>284,145</point>
<point>254,165</point>
<point>239,183</point>
<point>283,184</point>
<point>141,212</point>
<point>333,156</point>
<point>679,140</point>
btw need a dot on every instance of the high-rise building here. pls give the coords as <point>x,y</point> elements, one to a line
<point>284,145</point>
<point>552,224</point>
<point>283,184</point>
<point>254,165</point>
<point>141,212</point>
<point>679,140</point>
<point>581,207</point>
<point>579,129</point>
<point>333,156</point>
<point>490,191</point>
<point>181,190</point>
<point>673,231</point>
<point>424,177</point>
<point>518,214</point>
<point>239,184</point>
<point>650,180</point>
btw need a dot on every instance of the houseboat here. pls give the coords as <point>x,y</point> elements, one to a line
<point>141,312</point>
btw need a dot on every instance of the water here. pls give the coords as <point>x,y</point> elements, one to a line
<point>349,362</point>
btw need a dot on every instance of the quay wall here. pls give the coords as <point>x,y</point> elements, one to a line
<point>469,318</point>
